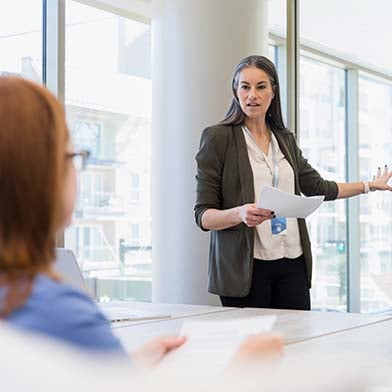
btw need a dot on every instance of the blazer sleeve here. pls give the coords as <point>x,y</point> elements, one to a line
<point>210,163</point>
<point>310,181</point>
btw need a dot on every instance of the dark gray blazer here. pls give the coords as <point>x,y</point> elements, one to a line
<point>225,180</point>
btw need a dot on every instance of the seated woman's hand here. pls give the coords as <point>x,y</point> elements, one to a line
<point>153,351</point>
<point>258,347</point>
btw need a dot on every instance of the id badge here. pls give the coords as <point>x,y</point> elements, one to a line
<point>278,225</point>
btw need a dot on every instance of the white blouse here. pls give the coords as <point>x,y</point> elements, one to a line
<point>266,245</point>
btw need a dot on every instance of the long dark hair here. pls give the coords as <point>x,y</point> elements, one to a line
<point>235,115</point>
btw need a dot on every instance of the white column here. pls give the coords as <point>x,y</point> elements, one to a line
<point>195,46</point>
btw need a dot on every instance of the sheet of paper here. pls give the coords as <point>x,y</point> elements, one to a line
<point>210,345</point>
<point>288,205</point>
<point>384,283</point>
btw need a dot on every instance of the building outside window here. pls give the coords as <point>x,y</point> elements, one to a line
<point>87,135</point>
<point>322,139</point>
<point>332,71</point>
<point>375,136</point>
<point>21,39</point>
<point>108,104</point>
<point>135,187</point>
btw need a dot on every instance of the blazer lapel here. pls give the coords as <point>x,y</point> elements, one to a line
<point>244,168</point>
<point>283,146</point>
<point>282,141</point>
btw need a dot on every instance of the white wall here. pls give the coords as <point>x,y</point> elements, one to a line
<point>195,46</point>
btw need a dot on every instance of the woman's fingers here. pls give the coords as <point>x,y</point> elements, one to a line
<point>382,180</point>
<point>255,216</point>
<point>381,173</point>
<point>258,347</point>
<point>153,351</point>
<point>264,212</point>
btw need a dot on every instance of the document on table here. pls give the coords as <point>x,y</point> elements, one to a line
<point>384,283</point>
<point>211,345</point>
<point>288,205</point>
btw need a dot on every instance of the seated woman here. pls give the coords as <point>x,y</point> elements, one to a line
<point>37,197</point>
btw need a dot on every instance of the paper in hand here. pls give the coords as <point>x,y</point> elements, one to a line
<point>211,345</point>
<point>286,204</point>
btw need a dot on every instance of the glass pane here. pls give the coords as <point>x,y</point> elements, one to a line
<point>108,103</point>
<point>322,140</point>
<point>21,39</point>
<point>277,17</point>
<point>367,21</point>
<point>272,54</point>
<point>277,14</point>
<point>375,135</point>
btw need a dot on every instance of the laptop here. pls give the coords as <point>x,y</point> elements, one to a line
<point>67,267</point>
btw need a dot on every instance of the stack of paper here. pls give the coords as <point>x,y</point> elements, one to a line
<point>288,205</point>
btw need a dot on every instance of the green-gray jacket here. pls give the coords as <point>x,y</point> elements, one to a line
<point>225,180</point>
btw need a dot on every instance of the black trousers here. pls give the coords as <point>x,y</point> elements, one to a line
<point>278,284</point>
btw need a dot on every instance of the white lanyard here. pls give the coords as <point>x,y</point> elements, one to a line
<point>275,160</point>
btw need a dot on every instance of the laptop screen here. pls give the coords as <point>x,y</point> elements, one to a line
<point>67,267</point>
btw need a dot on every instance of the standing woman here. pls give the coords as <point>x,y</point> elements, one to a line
<point>257,260</point>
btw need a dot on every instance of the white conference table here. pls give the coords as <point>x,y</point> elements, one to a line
<point>301,330</point>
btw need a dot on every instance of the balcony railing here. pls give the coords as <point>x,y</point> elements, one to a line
<point>102,202</point>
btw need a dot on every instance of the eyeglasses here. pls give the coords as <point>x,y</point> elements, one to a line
<point>80,159</point>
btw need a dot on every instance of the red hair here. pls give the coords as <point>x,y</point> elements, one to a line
<point>33,142</point>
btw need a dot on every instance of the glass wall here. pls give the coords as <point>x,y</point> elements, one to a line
<point>108,104</point>
<point>322,140</point>
<point>21,38</point>
<point>277,11</point>
<point>277,26</point>
<point>324,25</point>
<point>375,149</point>
<point>361,56</point>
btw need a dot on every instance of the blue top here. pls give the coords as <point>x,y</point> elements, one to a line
<point>62,312</point>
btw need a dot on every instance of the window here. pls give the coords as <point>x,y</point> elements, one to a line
<point>322,139</point>
<point>375,136</point>
<point>21,39</point>
<point>87,135</point>
<point>272,54</point>
<point>135,234</point>
<point>277,11</point>
<point>361,56</point>
<point>277,26</point>
<point>135,187</point>
<point>108,102</point>
<point>367,26</point>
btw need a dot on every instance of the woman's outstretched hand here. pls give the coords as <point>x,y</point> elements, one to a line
<point>380,180</point>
